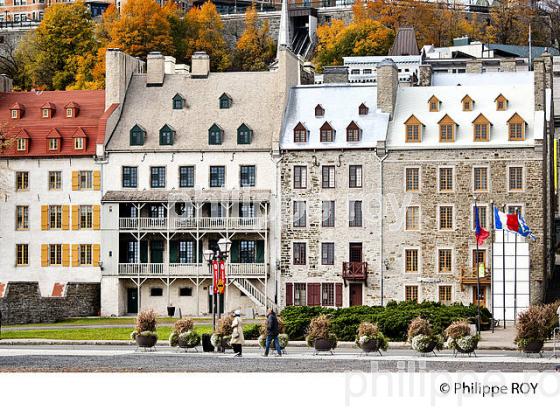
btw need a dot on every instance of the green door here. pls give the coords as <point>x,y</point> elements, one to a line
<point>156,254</point>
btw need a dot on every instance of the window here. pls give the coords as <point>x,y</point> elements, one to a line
<point>157,177</point>
<point>355,176</point>
<point>444,294</point>
<point>247,210</point>
<point>444,260</point>
<point>300,214</point>
<point>300,294</point>
<point>319,111</point>
<point>478,258</point>
<point>186,177</point>
<point>300,253</point>
<point>225,101</point>
<point>78,143</point>
<point>515,209</point>
<point>21,144</point>
<point>46,112</point>
<point>166,135</point>
<point>247,176</point>
<point>501,103</point>
<point>468,103</point>
<point>22,254</point>
<point>355,214</point>
<point>137,135</point>
<point>22,181</point>
<point>411,260</point>
<point>328,176</point>
<point>327,294</point>
<point>327,133</point>
<point>353,132</point>
<point>86,216</point>
<point>516,126</point>
<point>445,179</point>
<point>215,135</point>
<point>412,179</point>
<point>327,214</point>
<point>300,177</point>
<point>130,177</point>
<point>515,178</point>
<point>327,253</point>
<point>480,179</point>
<point>481,129</point>
<point>412,128</point>
<point>53,144</point>
<point>156,292</point>
<point>300,133</point>
<point>412,222</point>
<point>185,291</point>
<point>433,104</point>
<point>85,255</point>
<point>446,133</point>
<point>69,112</point>
<point>411,293</point>
<point>247,251</point>
<point>363,109</point>
<point>446,217</point>
<point>22,217</point>
<point>14,114</point>
<point>55,180</point>
<point>217,176</point>
<point>482,216</point>
<point>186,252</point>
<point>85,180</point>
<point>244,134</point>
<point>178,102</point>
<point>55,216</point>
<point>55,254</point>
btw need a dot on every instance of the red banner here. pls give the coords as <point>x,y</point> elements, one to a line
<point>215,270</point>
<point>222,280</point>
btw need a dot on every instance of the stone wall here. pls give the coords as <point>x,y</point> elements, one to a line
<point>22,303</point>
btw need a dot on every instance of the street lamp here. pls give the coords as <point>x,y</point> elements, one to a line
<point>208,257</point>
<point>225,246</point>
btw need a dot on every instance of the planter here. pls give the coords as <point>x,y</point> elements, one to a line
<point>146,342</point>
<point>534,346</point>
<point>170,311</point>
<point>370,346</point>
<point>466,351</point>
<point>429,348</point>
<point>323,345</point>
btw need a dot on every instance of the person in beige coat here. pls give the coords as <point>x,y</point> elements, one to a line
<point>237,338</point>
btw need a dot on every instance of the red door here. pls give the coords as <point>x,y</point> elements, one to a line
<point>356,294</point>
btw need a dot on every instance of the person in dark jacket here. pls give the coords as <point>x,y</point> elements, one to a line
<point>272,332</point>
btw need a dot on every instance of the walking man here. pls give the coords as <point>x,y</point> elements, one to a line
<point>237,338</point>
<point>272,332</point>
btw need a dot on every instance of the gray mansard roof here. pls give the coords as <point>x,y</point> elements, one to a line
<point>255,102</point>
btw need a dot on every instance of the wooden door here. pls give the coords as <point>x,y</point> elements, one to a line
<point>482,296</point>
<point>132,300</point>
<point>355,294</point>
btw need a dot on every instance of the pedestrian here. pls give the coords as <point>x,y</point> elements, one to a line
<point>558,313</point>
<point>237,338</point>
<point>272,332</point>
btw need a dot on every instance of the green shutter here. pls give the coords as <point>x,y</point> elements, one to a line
<point>260,252</point>
<point>143,252</point>
<point>234,251</point>
<point>174,252</point>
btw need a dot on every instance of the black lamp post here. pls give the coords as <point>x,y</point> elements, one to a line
<point>224,246</point>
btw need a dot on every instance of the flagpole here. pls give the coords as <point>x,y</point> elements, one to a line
<point>515,277</point>
<point>492,264</point>
<point>504,269</point>
<point>477,271</point>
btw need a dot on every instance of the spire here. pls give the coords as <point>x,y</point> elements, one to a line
<point>283,31</point>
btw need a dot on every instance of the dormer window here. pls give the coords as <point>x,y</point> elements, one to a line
<point>225,101</point>
<point>21,144</point>
<point>215,135</point>
<point>47,110</point>
<point>447,129</point>
<point>319,111</point>
<point>413,129</point>
<point>54,140</point>
<point>481,129</point>
<point>178,102</point>
<point>53,144</point>
<point>166,135</point>
<point>327,132</point>
<point>22,141</point>
<point>363,109</point>
<point>501,103</point>
<point>353,132</point>
<point>137,135</point>
<point>79,143</point>
<point>300,133</point>
<point>433,104</point>
<point>72,109</point>
<point>244,134</point>
<point>14,114</point>
<point>16,111</point>
<point>468,103</point>
<point>516,128</point>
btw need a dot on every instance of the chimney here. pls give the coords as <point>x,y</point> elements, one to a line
<point>169,65</point>
<point>387,85</point>
<point>200,65</point>
<point>508,65</point>
<point>542,78</point>
<point>335,75</point>
<point>155,69</point>
<point>474,66</point>
<point>5,84</point>
<point>425,75</point>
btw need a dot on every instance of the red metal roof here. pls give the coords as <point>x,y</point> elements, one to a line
<point>91,105</point>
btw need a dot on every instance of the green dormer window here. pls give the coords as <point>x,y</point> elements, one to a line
<point>225,101</point>
<point>166,135</point>
<point>178,102</point>
<point>137,135</point>
<point>244,134</point>
<point>215,135</point>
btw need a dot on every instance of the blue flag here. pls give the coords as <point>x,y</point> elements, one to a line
<point>524,229</point>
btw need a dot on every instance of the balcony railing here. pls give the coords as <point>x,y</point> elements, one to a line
<point>354,270</point>
<point>471,278</point>
<point>255,270</point>
<point>204,223</point>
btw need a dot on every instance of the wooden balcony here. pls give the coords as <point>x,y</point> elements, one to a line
<point>471,279</point>
<point>190,224</point>
<point>237,270</point>
<point>354,271</point>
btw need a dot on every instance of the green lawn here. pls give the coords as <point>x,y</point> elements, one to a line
<point>103,321</point>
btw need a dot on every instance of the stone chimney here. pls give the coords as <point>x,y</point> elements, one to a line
<point>200,65</point>
<point>387,85</point>
<point>155,69</point>
<point>474,66</point>
<point>169,65</point>
<point>508,65</point>
<point>335,74</point>
<point>119,68</point>
<point>542,79</point>
<point>5,84</point>
<point>425,75</point>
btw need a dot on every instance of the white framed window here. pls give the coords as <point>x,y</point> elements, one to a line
<point>446,217</point>
<point>411,260</point>
<point>481,179</point>
<point>85,254</point>
<point>78,143</point>
<point>516,178</point>
<point>446,179</point>
<point>21,144</point>
<point>412,218</point>
<point>444,260</point>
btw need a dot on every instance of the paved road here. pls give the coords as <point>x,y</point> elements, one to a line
<point>126,359</point>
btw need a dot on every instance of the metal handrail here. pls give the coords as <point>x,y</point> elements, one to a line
<point>555,337</point>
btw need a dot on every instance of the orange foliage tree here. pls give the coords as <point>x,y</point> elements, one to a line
<point>255,49</point>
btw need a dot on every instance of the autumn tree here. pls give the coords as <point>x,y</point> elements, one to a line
<point>178,30</point>
<point>205,33</point>
<point>255,49</point>
<point>509,22</point>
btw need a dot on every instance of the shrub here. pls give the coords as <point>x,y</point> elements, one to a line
<point>252,332</point>
<point>184,325</point>
<point>189,339</point>
<point>532,325</point>
<point>549,311</point>
<point>225,326</point>
<point>173,339</point>
<point>368,331</point>
<point>419,327</point>
<point>319,328</point>
<point>458,329</point>
<point>146,321</point>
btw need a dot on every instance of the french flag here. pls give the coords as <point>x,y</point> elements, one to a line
<point>480,233</point>
<point>509,222</point>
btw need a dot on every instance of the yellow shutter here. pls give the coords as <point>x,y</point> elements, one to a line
<point>75,180</point>
<point>95,256</point>
<point>66,217</point>
<point>44,255</point>
<point>75,255</point>
<point>65,254</point>
<point>97,180</point>
<point>44,217</point>
<point>97,217</point>
<point>75,217</point>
